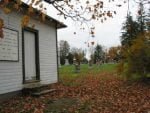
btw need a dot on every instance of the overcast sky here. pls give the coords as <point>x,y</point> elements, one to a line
<point>106,34</point>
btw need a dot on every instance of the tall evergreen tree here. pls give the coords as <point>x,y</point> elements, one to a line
<point>98,53</point>
<point>130,30</point>
<point>148,20</point>
<point>141,18</point>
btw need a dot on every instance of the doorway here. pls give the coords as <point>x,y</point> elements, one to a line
<point>30,43</point>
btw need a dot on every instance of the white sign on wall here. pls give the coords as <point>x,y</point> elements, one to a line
<point>9,45</point>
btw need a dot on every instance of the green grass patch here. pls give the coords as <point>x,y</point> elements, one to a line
<point>70,69</point>
<point>67,74</point>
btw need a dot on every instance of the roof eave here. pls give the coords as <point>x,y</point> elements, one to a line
<point>59,24</point>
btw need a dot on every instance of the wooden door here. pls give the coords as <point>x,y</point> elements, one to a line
<point>29,56</point>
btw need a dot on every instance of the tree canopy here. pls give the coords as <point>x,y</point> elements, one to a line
<point>82,11</point>
<point>136,44</point>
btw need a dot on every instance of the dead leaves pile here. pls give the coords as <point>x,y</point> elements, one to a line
<point>102,93</point>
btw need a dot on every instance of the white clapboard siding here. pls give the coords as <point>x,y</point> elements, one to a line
<point>11,72</point>
<point>11,75</point>
<point>48,61</point>
<point>47,51</point>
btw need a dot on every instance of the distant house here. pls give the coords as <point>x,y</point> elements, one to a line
<point>28,54</point>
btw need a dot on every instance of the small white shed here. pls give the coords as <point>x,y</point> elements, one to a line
<point>27,54</point>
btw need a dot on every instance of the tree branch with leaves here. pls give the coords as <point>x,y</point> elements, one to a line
<point>79,10</point>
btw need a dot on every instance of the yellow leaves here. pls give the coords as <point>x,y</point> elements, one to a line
<point>137,46</point>
<point>25,21</point>
<point>6,10</point>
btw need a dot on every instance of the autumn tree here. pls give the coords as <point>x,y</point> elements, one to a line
<point>114,54</point>
<point>139,56</point>
<point>136,53</point>
<point>78,54</point>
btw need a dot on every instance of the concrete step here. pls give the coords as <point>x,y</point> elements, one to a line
<point>43,92</point>
<point>34,87</point>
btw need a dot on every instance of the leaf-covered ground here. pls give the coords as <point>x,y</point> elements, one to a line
<point>103,92</point>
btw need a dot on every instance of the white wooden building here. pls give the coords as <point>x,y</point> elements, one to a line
<point>27,54</point>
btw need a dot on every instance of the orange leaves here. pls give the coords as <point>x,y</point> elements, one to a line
<point>1,33</point>
<point>1,23</point>
<point>1,28</point>
<point>109,14</point>
<point>92,93</point>
<point>25,21</point>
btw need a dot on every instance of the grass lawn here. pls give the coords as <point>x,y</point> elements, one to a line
<point>94,90</point>
<point>70,69</point>
<point>68,76</point>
